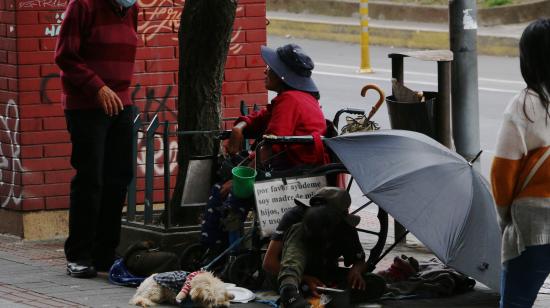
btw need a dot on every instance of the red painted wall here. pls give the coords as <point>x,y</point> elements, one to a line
<point>34,145</point>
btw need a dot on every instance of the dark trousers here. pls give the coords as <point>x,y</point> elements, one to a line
<point>102,158</point>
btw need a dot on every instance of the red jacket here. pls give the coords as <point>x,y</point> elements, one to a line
<point>291,113</point>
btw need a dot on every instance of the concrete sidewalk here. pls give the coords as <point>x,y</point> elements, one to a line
<point>32,274</point>
<point>497,40</point>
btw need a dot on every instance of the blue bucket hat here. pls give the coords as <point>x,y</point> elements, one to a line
<point>292,65</point>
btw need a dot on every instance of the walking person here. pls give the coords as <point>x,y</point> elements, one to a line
<point>95,51</point>
<point>521,174</point>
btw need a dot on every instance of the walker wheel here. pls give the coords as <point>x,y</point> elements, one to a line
<point>246,271</point>
<point>376,230</point>
<point>192,257</point>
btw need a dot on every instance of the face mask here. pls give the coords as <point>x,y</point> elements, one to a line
<point>126,3</point>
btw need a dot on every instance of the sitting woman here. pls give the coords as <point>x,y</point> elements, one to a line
<point>295,111</point>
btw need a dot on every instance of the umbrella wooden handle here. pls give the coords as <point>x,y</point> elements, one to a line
<point>380,99</point>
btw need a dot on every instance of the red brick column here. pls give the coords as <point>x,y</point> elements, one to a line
<point>34,145</point>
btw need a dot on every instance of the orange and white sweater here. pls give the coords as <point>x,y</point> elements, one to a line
<point>524,212</point>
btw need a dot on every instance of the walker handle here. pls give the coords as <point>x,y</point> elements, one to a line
<point>345,110</point>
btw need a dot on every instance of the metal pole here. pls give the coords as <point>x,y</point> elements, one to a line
<point>365,53</point>
<point>465,107</point>
<point>443,106</point>
<point>398,72</point>
<point>149,170</point>
<point>166,160</point>
<point>132,187</point>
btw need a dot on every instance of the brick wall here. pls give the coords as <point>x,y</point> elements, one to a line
<point>10,166</point>
<point>34,145</point>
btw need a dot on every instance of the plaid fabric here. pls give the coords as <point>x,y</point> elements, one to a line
<point>172,280</point>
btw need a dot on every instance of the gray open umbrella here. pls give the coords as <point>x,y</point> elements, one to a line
<point>431,191</point>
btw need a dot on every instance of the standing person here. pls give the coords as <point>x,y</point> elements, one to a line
<point>521,174</point>
<point>295,111</point>
<point>95,51</point>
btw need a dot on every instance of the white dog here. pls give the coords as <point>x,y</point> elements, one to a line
<point>204,289</point>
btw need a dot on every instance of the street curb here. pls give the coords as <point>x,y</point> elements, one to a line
<point>386,36</point>
<point>402,11</point>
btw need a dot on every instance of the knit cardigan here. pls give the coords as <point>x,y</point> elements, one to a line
<point>523,212</point>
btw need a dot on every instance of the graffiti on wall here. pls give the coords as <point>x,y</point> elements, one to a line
<point>158,157</point>
<point>155,104</point>
<point>10,163</point>
<point>235,48</point>
<point>53,29</point>
<point>42,4</point>
<point>160,18</point>
<point>44,86</point>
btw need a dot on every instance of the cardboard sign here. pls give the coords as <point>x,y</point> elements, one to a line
<point>274,198</point>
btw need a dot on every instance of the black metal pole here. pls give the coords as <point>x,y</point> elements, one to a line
<point>397,67</point>
<point>132,187</point>
<point>465,107</point>
<point>397,72</point>
<point>166,160</point>
<point>149,170</point>
<point>443,107</point>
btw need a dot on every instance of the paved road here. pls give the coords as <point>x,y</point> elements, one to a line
<point>339,82</point>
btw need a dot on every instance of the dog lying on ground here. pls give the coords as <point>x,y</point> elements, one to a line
<point>204,289</point>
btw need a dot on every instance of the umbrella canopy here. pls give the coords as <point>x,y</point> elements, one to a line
<point>431,191</point>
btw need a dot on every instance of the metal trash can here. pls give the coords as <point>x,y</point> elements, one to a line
<point>418,117</point>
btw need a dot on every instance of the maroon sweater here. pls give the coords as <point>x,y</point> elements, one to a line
<point>96,47</point>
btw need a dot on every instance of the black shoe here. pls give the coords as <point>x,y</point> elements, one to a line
<point>81,270</point>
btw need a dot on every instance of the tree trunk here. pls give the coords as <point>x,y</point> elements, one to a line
<point>204,37</point>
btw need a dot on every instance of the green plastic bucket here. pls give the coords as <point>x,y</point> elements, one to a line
<point>243,181</point>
